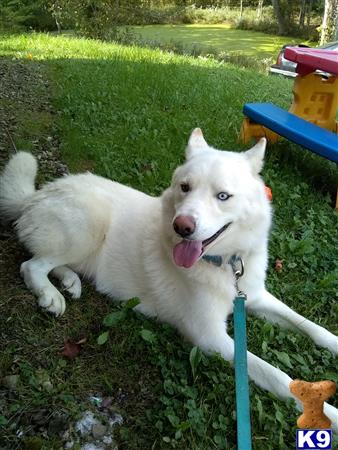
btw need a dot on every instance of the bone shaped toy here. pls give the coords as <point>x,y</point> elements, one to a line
<point>313,395</point>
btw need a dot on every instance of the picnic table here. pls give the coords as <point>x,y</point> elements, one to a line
<point>309,60</point>
<point>311,119</point>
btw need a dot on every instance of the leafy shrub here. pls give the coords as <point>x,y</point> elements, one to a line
<point>20,14</point>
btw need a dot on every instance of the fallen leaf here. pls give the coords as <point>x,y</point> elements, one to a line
<point>278,265</point>
<point>71,348</point>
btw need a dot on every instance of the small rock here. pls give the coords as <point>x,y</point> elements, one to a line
<point>98,431</point>
<point>115,419</point>
<point>107,439</point>
<point>90,446</point>
<point>106,402</point>
<point>86,423</point>
<point>11,382</point>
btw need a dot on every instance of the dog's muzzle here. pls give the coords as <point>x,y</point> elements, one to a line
<point>188,251</point>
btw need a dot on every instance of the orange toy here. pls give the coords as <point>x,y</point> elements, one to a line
<point>268,193</point>
<point>313,395</point>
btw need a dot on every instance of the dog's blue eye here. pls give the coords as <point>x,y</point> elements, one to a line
<point>223,196</point>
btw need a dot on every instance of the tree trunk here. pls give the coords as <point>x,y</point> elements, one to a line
<point>309,10</point>
<point>329,26</point>
<point>241,10</point>
<point>280,18</point>
<point>302,13</point>
<point>259,9</point>
<point>58,24</point>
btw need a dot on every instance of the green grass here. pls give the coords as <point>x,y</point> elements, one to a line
<point>126,113</point>
<point>220,37</point>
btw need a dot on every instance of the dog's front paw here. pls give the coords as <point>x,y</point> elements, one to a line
<point>327,340</point>
<point>72,284</point>
<point>51,300</point>
<point>332,344</point>
<point>332,413</point>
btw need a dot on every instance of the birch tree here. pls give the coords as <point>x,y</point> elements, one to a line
<point>329,26</point>
<point>259,9</point>
<point>302,13</point>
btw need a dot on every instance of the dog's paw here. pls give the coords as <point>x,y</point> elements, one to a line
<point>53,301</point>
<point>332,344</point>
<point>72,284</point>
<point>326,339</point>
<point>332,413</point>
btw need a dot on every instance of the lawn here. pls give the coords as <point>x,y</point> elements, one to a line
<point>221,37</point>
<point>126,113</point>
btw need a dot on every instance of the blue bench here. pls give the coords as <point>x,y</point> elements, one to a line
<point>292,127</point>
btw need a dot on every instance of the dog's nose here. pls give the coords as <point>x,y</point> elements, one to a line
<point>184,225</point>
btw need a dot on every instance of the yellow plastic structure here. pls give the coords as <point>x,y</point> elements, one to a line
<point>251,130</point>
<point>315,99</point>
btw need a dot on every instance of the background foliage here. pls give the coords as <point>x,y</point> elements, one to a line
<point>97,18</point>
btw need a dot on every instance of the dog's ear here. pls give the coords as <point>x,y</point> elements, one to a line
<point>196,143</point>
<point>255,156</point>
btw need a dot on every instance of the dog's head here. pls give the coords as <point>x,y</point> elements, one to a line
<point>216,203</point>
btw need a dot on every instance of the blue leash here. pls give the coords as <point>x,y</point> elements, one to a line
<point>241,365</point>
<point>241,374</point>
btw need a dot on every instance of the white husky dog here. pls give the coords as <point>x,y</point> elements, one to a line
<point>134,245</point>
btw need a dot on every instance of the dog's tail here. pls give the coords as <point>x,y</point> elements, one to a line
<point>17,185</point>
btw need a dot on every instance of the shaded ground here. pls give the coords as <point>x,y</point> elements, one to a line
<point>42,394</point>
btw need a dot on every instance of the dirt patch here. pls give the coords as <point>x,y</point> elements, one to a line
<point>41,394</point>
<point>23,94</point>
<point>26,115</point>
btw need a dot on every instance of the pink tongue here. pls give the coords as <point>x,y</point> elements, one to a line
<point>186,253</point>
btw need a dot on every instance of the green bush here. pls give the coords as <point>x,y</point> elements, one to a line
<point>94,18</point>
<point>26,14</point>
<point>212,15</point>
<point>268,24</point>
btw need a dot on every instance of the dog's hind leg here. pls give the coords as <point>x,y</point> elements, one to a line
<point>35,273</point>
<point>70,281</point>
<point>273,310</point>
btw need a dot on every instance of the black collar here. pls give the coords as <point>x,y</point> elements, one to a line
<point>218,260</point>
